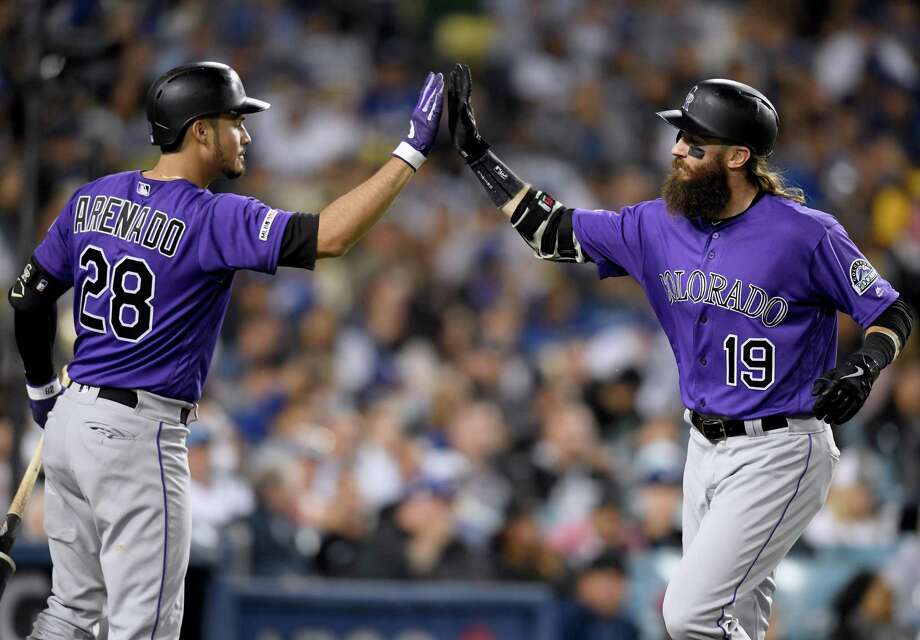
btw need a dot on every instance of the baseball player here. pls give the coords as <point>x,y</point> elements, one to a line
<point>746,282</point>
<point>151,256</point>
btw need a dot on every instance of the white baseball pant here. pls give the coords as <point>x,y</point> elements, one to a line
<point>117,517</point>
<point>747,499</point>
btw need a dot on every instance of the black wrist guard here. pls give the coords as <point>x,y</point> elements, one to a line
<point>880,348</point>
<point>496,178</point>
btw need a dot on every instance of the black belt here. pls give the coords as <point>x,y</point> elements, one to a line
<point>716,428</point>
<point>128,397</point>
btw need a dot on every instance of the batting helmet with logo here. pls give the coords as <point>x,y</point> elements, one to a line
<point>729,110</point>
<point>193,91</point>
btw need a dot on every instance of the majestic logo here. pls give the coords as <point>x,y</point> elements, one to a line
<point>143,188</point>
<point>862,275</point>
<point>713,289</point>
<point>690,97</point>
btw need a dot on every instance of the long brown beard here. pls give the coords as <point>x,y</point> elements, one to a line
<point>705,194</point>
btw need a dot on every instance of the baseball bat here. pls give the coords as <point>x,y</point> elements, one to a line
<point>10,527</point>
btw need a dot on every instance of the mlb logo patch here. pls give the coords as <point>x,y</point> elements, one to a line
<point>267,224</point>
<point>143,188</point>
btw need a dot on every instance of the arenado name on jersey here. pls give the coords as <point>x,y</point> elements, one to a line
<point>126,220</point>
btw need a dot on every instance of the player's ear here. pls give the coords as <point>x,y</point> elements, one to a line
<point>201,131</point>
<point>737,157</point>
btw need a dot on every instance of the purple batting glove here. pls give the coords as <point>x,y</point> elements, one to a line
<point>42,399</point>
<point>423,126</point>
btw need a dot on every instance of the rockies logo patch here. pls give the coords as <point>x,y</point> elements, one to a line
<point>862,275</point>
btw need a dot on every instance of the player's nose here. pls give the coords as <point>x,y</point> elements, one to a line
<point>680,148</point>
<point>246,139</point>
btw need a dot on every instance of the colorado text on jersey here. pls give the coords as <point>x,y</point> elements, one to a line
<point>126,220</point>
<point>697,287</point>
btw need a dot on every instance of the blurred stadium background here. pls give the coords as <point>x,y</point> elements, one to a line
<point>438,436</point>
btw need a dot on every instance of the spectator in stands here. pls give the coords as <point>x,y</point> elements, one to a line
<point>854,515</point>
<point>895,432</point>
<point>598,608</point>
<point>218,497</point>
<point>864,610</point>
<point>571,476</point>
<point>520,553</point>
<point>659,511</point>
<point>416,539</point>
<point>475,436</point>
<point>278,550</point>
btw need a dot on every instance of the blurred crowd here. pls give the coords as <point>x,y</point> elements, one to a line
<point>440,404</point>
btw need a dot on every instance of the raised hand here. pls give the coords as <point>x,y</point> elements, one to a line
<point>460,119</point>
<point>423,124</point>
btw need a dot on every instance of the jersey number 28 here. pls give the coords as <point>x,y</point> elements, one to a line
<point>132,284</point>
<point>758,362</point>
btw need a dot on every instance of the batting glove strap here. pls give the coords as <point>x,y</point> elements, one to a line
<point>45,391</point>
<point>410,155</point>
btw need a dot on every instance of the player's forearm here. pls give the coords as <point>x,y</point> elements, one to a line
<point>345,220</point>
<point>509,207</point>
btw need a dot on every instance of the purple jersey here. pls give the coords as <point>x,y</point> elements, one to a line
<point>152,263</point>
<point>749,303</point>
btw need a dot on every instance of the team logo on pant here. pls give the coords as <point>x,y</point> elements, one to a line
<point>862,275</point>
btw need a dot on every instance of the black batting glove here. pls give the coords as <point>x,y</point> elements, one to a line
<point>841,392</point>
<point>460,119</point>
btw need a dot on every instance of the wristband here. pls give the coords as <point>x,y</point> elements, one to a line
<point>45,391</point>
<point>496,178</point>
<point>410,155</point>
<point>880,347</point>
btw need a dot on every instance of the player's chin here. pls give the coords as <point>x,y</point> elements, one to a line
<point>237,170</point>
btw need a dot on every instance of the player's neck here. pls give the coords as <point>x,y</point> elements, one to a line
<point>743,194</point>
<point>172,166</point>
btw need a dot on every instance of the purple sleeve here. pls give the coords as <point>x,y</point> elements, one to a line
<point>241,233</point>
<point>611,239</point>
<point>841,275</point>
<point>54,252</point>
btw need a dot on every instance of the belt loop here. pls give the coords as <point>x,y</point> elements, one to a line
<point>754,428</point>
<point>141,405</point>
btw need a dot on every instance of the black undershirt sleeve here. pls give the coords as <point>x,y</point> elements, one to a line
<point>35,333</point>
<point>898,317</point>
<point>298,246</point>
<point>33,297</point>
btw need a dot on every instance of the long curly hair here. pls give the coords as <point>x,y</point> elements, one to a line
<point>771,181</point>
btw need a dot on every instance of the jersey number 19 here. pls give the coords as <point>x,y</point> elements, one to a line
<point>131,285</point>
<point>758,362</point>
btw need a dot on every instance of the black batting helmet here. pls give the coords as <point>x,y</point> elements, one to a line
<point>729,110</point>
<point>193,91</point>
